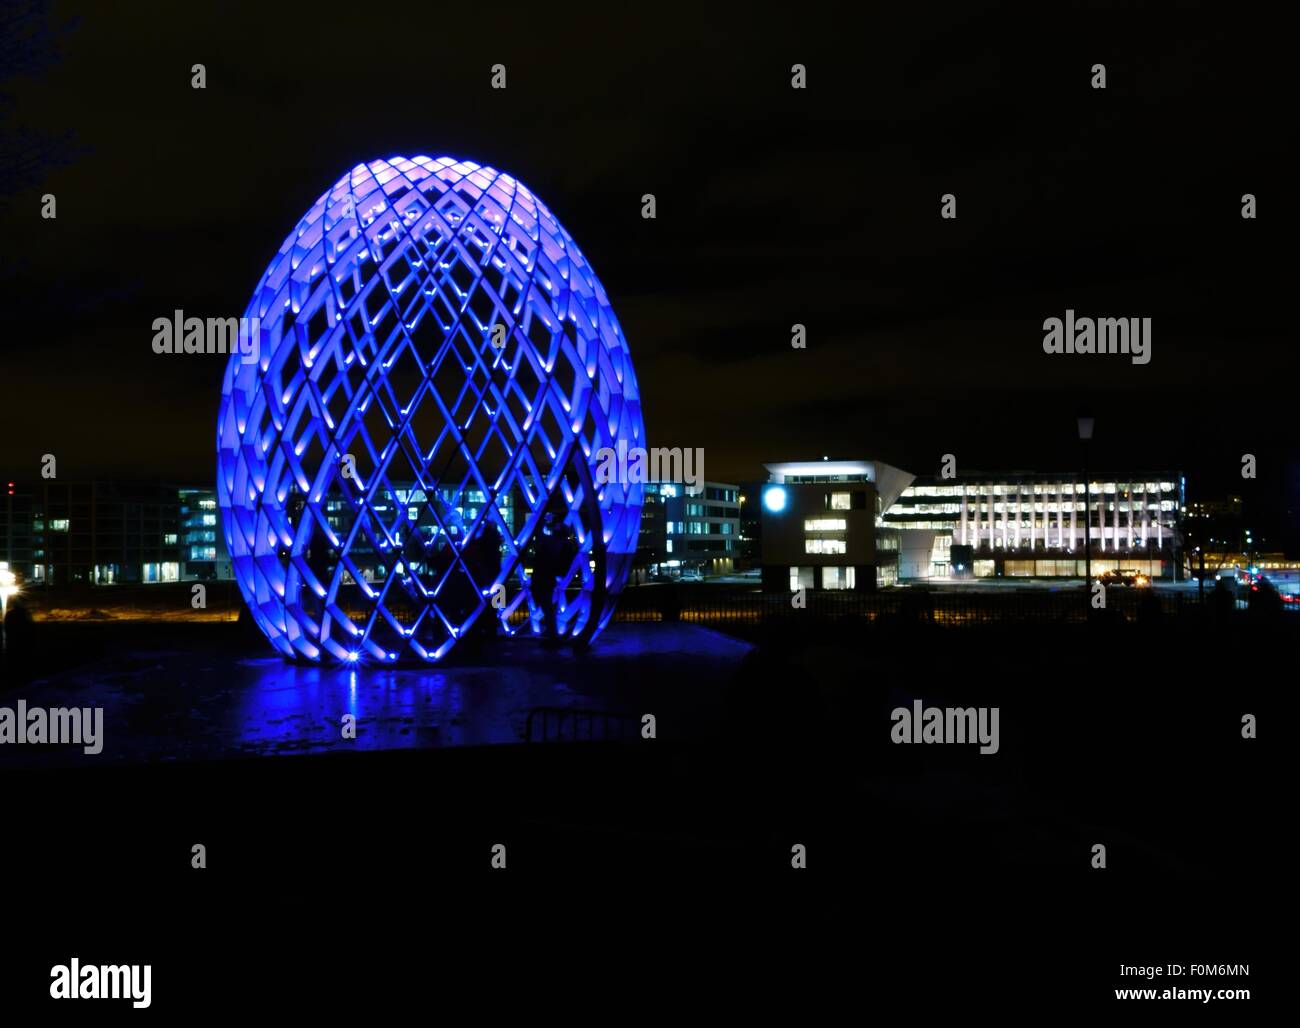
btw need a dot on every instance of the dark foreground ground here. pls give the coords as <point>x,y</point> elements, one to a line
<point>1123,733</point>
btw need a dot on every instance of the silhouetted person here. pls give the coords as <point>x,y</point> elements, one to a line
<point>1224,599</point>
<point>439,559</point>
<point>1149,611</point>
<point>670,603</point>
<point>18,640</point>
<point>553,556</point>
<point>483,560</point>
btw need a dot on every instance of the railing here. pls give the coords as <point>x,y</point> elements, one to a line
<point>724,608</point>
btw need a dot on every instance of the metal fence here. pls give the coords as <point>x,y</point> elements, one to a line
<point>720,607</point>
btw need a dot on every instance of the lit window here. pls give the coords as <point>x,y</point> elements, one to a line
<point>58,524</point>
<point>825,525</point>
<point>839,501</point>
<point>824,546</point>
<point>801,578</point>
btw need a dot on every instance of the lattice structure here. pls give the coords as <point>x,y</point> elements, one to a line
<point>438,367</point>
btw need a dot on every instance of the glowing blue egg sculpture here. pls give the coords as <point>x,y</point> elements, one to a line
<point>437,369</point>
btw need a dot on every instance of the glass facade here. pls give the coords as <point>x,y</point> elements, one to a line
<point>701,531</point>
<point>1032,525</point>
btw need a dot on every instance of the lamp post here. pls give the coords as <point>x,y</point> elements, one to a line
<point>1201,524</point>
<point>1085,435</point>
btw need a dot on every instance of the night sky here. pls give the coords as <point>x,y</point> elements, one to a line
<point>775,206</point>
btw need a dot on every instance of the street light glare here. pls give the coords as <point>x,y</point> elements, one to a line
<point>8,587</point>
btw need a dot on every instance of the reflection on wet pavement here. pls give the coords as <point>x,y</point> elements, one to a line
<point>201,704</point>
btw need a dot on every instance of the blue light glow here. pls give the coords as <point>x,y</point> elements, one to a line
<point>439,423</point>
<point>774,498</point>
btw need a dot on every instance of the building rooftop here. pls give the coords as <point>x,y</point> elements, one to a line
<point>888,480</point>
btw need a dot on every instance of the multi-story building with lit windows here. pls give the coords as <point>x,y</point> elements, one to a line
<point>110,532</point>
<point>822,525</point>
<point>858,524</point>
<point>704,528</point>
<point>203,550</point>
<point>95,533</point>
<point>1034,525</point>
<point>650,551</point>
<point>685,531</point>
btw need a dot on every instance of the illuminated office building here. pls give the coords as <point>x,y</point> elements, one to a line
<point>859,524</point>
<point>203,553</point>
<point>685,532</point>
<point>106,533</point>
<point>822,525</point>
<point>1033,525</point>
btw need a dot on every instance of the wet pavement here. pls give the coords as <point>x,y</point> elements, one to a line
<point>202,703</point>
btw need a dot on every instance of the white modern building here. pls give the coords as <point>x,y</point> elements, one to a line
<point>1034,525</point>
<point>822,526</point>
<point>859,524</point>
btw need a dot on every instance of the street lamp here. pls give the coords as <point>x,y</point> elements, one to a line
<point>1085,436</point>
